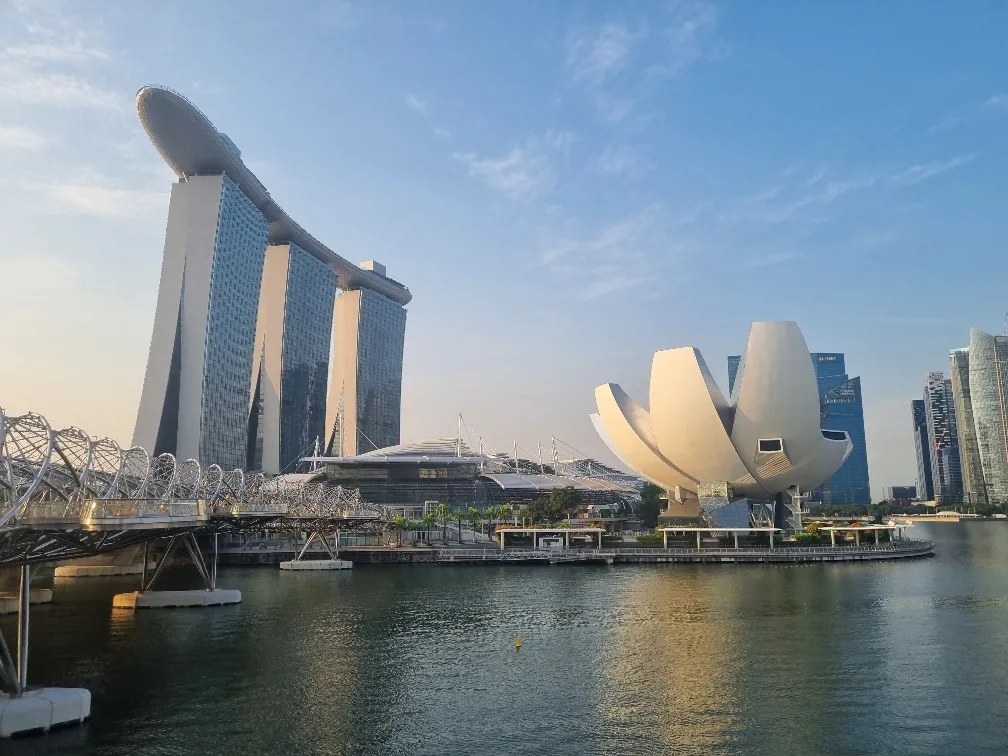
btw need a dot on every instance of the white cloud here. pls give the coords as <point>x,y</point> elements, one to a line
<point>623,161</point>
<point>613,62</point>
<point>416,103</point>
<point>774,258</point>
<point>524,173</point>
<point>98,196</point>
<point>560,141</point>
<point>595,55</point>
<point>52,67</point>
<point>70,51</point>
<point>922,172</point>
<point>422,107</point>
<point>19,138</point>
<point>29,86</point>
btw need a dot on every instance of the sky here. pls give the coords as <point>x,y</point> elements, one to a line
<point>565,188</point>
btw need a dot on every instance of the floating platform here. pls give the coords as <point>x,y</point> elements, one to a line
<point>166,599</point>
<point>9,603</point>
<point>100,570</point>
<point>316,564</point>
<point>38,711</point>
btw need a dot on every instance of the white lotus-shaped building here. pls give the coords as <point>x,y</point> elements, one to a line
<point>763,441</point>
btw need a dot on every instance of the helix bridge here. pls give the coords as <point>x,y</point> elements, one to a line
<point>64,494</point>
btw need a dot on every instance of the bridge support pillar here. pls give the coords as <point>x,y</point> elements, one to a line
<point>332,563</point>
<point>209,595</point>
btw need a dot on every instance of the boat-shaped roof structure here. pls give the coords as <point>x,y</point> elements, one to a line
<point>191,146</point>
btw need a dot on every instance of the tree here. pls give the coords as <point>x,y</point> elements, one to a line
<point>505,512</point>
<point>489,513</point>
<point>558,504</point>
<point>443,516</point>
<point>399,522</point>
<point>459,515</point>
<point>428,522</point>
<point>650,506</point>
<point>474,517</point>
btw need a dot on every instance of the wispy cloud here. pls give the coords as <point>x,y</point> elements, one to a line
<point>615,257</point>
<point>922,172</point>
<point>594,55</point>
<point>53,66</point>
<point>993,105</point>
<point>422,107</point>
<point>773,258</point>
<point>613,62</point>
<point>526,171</point>
<point>774,205</point>
<point>623,161</point>
<point>19,138</point>
<point>96,195</point>
<point>523,173</point>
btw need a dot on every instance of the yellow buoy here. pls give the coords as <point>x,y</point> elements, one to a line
<point>517,643</point>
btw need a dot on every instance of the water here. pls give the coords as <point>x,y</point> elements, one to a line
<point>898,658</point>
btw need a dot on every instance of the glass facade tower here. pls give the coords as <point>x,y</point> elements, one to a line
<point>365,390</point>
<point>943,438</point>
<point>925,484</point>
<point>293,338</point>
<point>840,408</point>
<point>194,402</point>
<point>988,383</point>
<point>974,487</point>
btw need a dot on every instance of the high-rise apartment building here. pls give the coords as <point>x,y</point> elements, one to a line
<point>240,354</point>
<point>841,408</point>
<point>925,481</point>
<point>943,438</point>
<point>974,487</point>
<point>988,379</point>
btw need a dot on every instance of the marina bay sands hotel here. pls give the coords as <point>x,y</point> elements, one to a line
<point>239,372</point>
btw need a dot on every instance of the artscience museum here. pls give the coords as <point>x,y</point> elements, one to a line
<point>748,459</point>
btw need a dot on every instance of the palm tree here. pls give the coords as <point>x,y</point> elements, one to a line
<point>399,522</point>
<point>490,513</point>
<point>459,515</point>
<point>428,520</point>
<point>443,516</point>
<point>474,517</point>
<point>505,512</point>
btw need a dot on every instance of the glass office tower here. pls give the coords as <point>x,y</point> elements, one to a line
<point>925,481</point>
<point>974,487</point>
<point>943,438</point>
<point>840,408</point>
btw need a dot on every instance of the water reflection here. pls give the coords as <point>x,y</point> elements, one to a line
<point>900,658</point>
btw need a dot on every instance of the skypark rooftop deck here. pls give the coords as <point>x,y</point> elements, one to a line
<point>191,146</point>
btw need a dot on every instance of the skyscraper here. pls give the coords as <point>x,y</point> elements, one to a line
<point>841,408</point>
<point>291,360</point>
<point>194,402</point>
<point>366,387</point>
<point>943,438</point>
<point>240,352</point>
<point>974,488</point>
<point>925,481</point>
<point>988,381</point>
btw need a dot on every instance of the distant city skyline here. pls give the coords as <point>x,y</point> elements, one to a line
<point>545,178</point>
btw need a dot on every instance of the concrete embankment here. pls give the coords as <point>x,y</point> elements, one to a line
<point>356,554</point>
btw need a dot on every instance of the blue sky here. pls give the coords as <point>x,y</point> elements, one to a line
<point>565,188</point>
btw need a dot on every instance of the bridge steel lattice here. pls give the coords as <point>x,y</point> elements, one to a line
<point>64,494</point>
